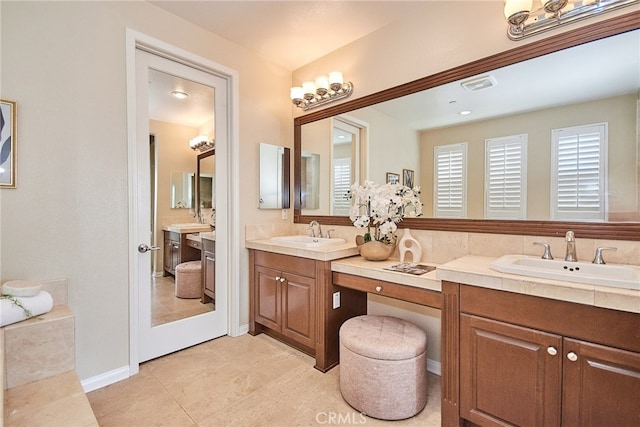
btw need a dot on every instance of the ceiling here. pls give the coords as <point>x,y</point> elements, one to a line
<point>291,33</point>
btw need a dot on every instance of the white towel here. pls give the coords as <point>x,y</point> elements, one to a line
<point>37,305</point>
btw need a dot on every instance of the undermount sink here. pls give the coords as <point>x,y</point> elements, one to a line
<point>306,241</point>
<point>617,276</point>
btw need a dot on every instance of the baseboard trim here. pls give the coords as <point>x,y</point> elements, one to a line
<point>105,379</point>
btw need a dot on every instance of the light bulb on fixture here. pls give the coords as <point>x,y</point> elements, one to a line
<point>201,143</point>
<point>524,21</point>
<point>325,89</point>
<point>517,11</point>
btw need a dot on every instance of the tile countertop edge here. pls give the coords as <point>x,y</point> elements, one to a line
<point>475,270</point>
<point>327,253</point>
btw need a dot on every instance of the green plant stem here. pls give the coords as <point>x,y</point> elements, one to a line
<point>15,301</point>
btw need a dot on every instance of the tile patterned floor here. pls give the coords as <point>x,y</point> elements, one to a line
<point>242,381</point>
<point>166,307</point>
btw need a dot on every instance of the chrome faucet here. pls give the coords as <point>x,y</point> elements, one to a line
<point>571,247</point>
<point>547,250</point>
<point>598,258</point>
<point>313,233</point>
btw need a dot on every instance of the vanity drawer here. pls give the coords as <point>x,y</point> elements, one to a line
<point>194,244</point>
<point>292,264</point>
<point>388,289</point>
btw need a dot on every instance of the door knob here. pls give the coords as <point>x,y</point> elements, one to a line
<point>142,248</point>
<point>572,356</point>
<point>552,351</point>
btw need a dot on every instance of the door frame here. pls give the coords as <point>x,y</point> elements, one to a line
<point>134,40</point>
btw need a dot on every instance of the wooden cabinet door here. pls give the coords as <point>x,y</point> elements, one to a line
<point>509,375</point>
<point>601,385</point>
<point>267,297</point>
<point>298,308</point>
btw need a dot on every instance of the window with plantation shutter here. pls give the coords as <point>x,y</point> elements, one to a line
<point>578,177</point>
<point>450,181</point>
<point>341,186</point>
<point>505,189</point>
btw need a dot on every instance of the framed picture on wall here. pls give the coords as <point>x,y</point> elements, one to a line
<point>407,178</point>
<point>8,131</point>
<point>393,178</point>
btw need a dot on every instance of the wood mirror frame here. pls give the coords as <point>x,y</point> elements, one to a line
<point>201,156</point>
<point>593,230</point>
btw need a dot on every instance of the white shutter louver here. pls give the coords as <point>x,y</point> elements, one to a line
<point>578,181</point>
<point>450,181</point>
<point>506,177</point>
<point>341,186</point>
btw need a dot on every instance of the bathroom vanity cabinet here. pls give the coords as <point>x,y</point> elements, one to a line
<point>522,360</point>
<point>291,299</point>
<point>208,270</point>
<point>177,249</point>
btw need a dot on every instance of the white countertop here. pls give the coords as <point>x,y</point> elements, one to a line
<point>359,266</point>
<point>191,228</point>
<point>209,235</point>
<point>326,253</point>
<point>475,270</point>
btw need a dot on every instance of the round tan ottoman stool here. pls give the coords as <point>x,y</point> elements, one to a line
<point>383,366</point>
<point>189,280</point>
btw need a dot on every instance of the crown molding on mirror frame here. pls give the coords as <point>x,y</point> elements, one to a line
<point>593,230</point>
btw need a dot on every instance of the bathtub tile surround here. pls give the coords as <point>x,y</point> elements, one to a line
<point>51,333</point>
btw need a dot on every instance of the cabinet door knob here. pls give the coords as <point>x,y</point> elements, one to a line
<point>282,279</point>
<point>378,288</point>
<point>277,278</point>
<point>552,351</point>
<point>572,356</point>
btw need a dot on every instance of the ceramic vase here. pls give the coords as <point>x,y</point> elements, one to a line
<point>408,245</point>
<point>376,251</point>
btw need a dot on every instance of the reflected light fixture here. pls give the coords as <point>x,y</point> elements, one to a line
<point>530,17</point>
<point>179,94</point>
<point>201,143</point>
<point>322,91</point>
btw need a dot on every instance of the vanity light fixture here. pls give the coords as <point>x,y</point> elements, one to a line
<point>179,94</point>
<point>322,91</point>
<point>201,143</point>
<point>524,21</point>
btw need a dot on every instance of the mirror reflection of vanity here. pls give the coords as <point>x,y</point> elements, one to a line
<point>402,126</point>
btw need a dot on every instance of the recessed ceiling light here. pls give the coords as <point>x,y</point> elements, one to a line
<point>465,112</point>
<point>179,94</point>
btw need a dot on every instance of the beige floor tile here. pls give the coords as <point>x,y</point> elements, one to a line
<point>243,381</point>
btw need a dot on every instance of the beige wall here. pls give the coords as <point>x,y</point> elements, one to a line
<point>618,112</point>
<point>64,63</point>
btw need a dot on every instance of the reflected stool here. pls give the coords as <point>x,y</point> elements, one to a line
<point>383,366</point>
<point>189,280</point>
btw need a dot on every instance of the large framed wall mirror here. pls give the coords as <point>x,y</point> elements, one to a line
<point>542,104</point>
